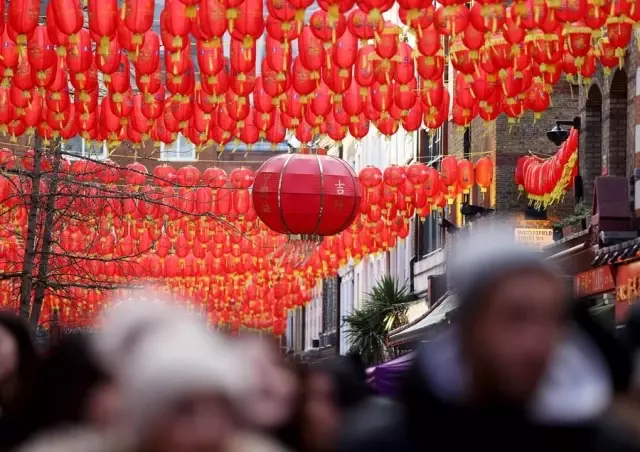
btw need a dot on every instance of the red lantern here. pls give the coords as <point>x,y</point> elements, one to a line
<point>103,20</point>
<point>23,16</point>
<point>538,99</point>
<point>449,172</point>
<point>451,20</point>
<point>519,173</point>
<point>484,173</point>
<point>135,174</point>
<point>40,50</point>
<point>138,17</point>
<point>68,16</point>
<point>188,176</point>
<point>79,54</point>
<point>213,18</point>
<point>488,17</point>
<point>325,207</point>
<point>465,175</point>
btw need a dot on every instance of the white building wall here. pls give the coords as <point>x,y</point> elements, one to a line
<point>347,284</point>
<point>313,317</point>
<point>290,331</point>
<point>358,278</point>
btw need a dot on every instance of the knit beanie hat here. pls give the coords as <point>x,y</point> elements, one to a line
<point>486,254</point>
<point>129,320</point>
<point>165,368</point>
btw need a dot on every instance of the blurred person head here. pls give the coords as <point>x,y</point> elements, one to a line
<point>330,390</point>
<point>180,390</point>
<point>631,339</point>
<point>271,404</point>
<point>72,388</point>
<point>18,360</point>
<point>513,313</point>
<point>128,321</point>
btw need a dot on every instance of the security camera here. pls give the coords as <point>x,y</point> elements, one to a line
<point>557,136</point>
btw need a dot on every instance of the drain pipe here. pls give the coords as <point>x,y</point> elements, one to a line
<point>338,315</point>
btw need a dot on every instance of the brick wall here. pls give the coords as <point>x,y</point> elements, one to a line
<point>483,143</point>
<point>504,143</point>
<point>614,159</point>
<point>609,148</point>
<point>591,141</point>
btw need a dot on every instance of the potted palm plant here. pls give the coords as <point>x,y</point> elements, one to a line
<point>385,309</point>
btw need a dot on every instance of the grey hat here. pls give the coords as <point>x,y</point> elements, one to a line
<point>487,253</point>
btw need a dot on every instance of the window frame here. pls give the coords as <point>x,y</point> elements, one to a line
<point>429,233</point>
<point>165,158</point>
<point>83,151</point>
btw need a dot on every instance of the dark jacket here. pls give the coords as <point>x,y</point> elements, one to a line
<point>431,415</point>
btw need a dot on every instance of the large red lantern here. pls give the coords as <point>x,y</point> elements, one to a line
<point>306,194</point>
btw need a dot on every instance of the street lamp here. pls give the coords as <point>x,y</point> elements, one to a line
<point>558,135</point>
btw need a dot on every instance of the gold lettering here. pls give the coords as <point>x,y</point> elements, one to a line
<point>621,293</point>
<point>632,288</point>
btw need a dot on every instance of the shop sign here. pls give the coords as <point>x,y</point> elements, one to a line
<point>537,238</point>
<point>627,288</point>
<point>595,281</point>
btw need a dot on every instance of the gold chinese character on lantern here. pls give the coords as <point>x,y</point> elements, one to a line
<point>266,208</point>
<point>338,204</point>
<point>340,188</point>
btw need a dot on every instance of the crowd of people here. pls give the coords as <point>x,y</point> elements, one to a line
<point>522,368</point>
<point>153,378</point>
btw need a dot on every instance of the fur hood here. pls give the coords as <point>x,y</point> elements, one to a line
<point>249,441</point>
<point>73,440</point>
<point>577,387</point>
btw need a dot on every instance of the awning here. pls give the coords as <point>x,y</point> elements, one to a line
<point>616,254</point>
<point>437,316</point>
<point>416,311</point>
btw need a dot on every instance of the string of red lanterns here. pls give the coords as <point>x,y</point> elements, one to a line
<point>545,181</point>
<point>352,67</point>
<point>197,235</point>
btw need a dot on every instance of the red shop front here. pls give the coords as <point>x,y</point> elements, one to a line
<point>596,287</point>
<point>627,288</point>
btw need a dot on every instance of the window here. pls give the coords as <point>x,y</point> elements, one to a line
<point>466,149</point>
<point>78,146</point>
<point>181,150</point>
<point>429,231</point>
